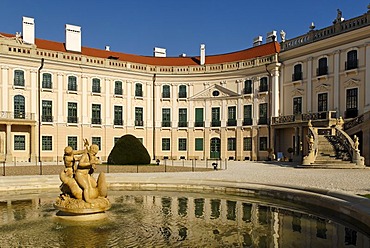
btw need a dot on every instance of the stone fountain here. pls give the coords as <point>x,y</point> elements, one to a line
<point>82,197</point>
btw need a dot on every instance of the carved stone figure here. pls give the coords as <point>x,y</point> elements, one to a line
<point>356,143</point>
<point>282,35</point>
<point>80,192</point>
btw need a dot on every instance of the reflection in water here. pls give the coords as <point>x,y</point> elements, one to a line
<point>159,219</point>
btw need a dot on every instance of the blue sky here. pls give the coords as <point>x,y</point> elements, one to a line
<point>180,26</point>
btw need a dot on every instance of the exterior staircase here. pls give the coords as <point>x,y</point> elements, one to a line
<point>332,154</point>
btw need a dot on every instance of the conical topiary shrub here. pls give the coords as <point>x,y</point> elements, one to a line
<point>129,151</point>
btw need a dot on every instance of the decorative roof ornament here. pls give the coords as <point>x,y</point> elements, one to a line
<point>312,26</point>
<point>282,35</point>
<point>339,18</point>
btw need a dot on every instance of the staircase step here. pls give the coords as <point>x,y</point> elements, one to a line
<point>333,161</point>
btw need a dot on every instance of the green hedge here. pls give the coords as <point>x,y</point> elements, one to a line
<point>129,151</point>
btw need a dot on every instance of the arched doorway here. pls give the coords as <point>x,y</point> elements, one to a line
<point>215,148</point>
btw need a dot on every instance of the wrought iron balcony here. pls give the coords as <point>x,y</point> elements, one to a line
<point>321,71</point>
<point>166,123</point>
<point>231,122</point>
<point>118,122</point>
<point>297,76</point>
<point>351,64</point>
<point>96,121</point>
<point>72,119</point>
<point>216,123</point>
<point>351,113</point>
<point>247,122</point>
<point>199,124</point>
<point>47,118</point>
<point>183,124</point>
<point>139,123</point>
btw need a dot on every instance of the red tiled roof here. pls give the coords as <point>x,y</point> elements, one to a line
<point>258,51</point>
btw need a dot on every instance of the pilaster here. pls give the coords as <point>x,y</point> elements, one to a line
<point>60,101</point>
<point>84,107</point>
<point>367,79</point>
<point>336,81</point>
<point>5,91</point>
<point>309,84</point>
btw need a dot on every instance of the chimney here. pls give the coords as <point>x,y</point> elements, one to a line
<point>202,54</point>
<point>159,52</point>
<point>28,30</point>
<point>257,41</point>
<point>73,38</point>
<point>271,36</point>
<point>107,48</point>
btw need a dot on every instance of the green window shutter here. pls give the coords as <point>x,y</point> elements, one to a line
<point>198,114</point>
<point>199,144</point>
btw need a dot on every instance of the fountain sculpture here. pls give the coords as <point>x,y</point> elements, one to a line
<point>81,193</point>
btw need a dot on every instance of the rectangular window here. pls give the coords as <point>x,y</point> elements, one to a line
<point>216,122</point>
<point>139,117</point>
<point>95,114</point>
<point>47,143</point>
<point>46,81</point>
<point>297,74</point>
<point>199,121</point>
<point>322,102</point>
<point>231,144</point>
<point>182,144</point>
<point>247,120</point>
<point>352,61</point>
<point>19,142</point>
<point>72,112</point>
<point>166,145</point>
<point>96,141</point>
<point>47,115</point>
<point>297,105</point>
<point>247,144</point>
<point>248,87</point>
<point>72,83</point>
<point>95,85</point>
<point>72,142</point>
<point>166,91</point>
<point>351,103</point>
<point>231,116</point>
<point>263,143</point>
<point>118,88</point>
<point>199,144</point>
<point>18,78</point>
<point>262,113</point>
<point>183,117</point>
<point>166,117</point>
<point>118,116</point>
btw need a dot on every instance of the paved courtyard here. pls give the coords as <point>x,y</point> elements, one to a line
<point>353,181</point>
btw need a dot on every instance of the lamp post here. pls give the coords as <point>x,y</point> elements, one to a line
<point>39,111</point>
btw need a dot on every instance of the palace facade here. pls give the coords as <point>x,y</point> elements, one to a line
<point>245,105</point>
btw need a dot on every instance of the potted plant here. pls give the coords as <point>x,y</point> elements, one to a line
<point>290,151</point>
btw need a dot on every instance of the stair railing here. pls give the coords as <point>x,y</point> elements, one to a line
<point>351,146</point>
<point>313,146</point>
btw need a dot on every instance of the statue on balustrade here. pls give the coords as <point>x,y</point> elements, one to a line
<point>81,193</point>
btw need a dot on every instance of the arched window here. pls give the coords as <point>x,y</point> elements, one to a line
<point>297,74</point>
<point>19,107</point>
<point>166,93</point>
<point>182,91</point>
<point>323,67</point>
<point>263,84</point>
<point>46,81</point>
<point>352,61</point>
<point>96,85</point>
<point>139,90</point>
<point>72,83</point>
<point>18,78</point>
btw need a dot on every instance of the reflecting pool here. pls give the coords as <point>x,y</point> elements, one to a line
<point>172,219</point>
